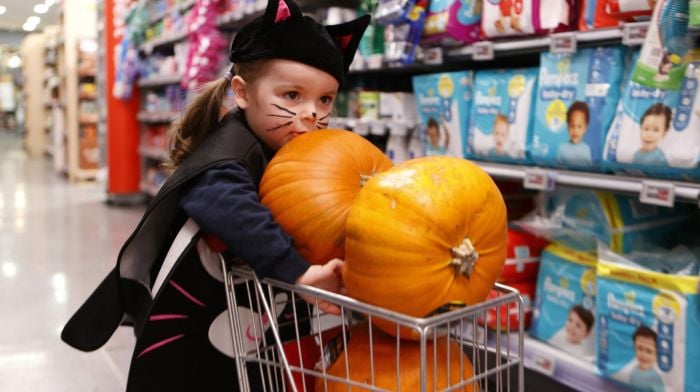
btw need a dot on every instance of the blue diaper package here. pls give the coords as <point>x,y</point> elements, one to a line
<point>565,301</point>
<point>443,101</point>
<point>655,131</point>
<point>501,114</point>
<point>648,332</point>
<point>580,218</point>
<point>575,103</point>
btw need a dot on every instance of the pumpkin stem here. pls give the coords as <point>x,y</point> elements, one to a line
<point>464,256</point>
<point>363,179</point>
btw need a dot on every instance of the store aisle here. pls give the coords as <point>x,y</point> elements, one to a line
<point>57,241</point>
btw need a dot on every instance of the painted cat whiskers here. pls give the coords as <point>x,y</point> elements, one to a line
<point>320,123</point>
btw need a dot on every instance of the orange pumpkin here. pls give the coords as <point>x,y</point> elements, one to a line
<point>384,354</point>
<point>310,184</point>
<point>425,233</point>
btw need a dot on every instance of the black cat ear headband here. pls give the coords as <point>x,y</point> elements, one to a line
<point>283,32</point>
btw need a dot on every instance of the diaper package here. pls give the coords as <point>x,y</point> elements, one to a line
<point>452,22</point>
<point>661,63</point>
<point>694,15</point>
<point>502,18</point>
<point>443,102</point>
<point>403,27</point>
<point>655,130</point>
<point>575,103</point>
<point>602,18</point>
<point>500,115</point>
<point>579,219</point>
<point>648,332</point>
<point>565,298</point>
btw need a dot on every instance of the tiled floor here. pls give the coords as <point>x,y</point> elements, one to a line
<point>57,241</point>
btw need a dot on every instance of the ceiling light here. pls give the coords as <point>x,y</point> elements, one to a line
<point>2,9</point>
<point>35,20</point>
<point>41,8</point>
<point>49,3</point>
<point>28,27</point>
<point>14,61</point>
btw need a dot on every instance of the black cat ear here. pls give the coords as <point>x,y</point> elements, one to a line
<point>280,10</point>
<point>347,36</point>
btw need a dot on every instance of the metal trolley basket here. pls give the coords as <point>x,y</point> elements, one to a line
<point>293,343</point>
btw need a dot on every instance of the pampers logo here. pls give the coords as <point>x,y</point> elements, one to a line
<point>626,305</point>
<point>560,85</point>
<point>561,290</point>
<point>488,104</point>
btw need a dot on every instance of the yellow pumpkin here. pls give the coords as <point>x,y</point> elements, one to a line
<point>423,234</point>
<point>384,354</point>
<point>310,184</point>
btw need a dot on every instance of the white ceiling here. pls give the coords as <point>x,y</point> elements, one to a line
<point>17,12</point>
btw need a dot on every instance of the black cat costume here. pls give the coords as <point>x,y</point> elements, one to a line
<point>168,282</point>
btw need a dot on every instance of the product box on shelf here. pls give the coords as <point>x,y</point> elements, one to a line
<point>500,119</point>
<point>648,334</point>
<point>452,22</point>
<point>655,130</point>
<point>523,257</point>
<point>502,18</point>
<point>507,317</point>
<point>443,102</point>
<point>575,103</point>
<point>628,10</point>
<point>565,301</point>
<point>580,219</point>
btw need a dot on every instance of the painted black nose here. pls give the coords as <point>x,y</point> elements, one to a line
<point>313,114</point>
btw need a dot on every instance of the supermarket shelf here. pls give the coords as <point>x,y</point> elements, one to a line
<point>566,368</point>
<point>153,153</point>
<point>159,80</point>
<point>183,6</point>
<point>683,191</point>
<point>88,119</point>
<point>583,38</point>
<point>163,40</point>
<point>157,118</point>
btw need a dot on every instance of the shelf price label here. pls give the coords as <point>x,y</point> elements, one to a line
<point>634,33</point>
<point>483,51</point>
<point>539,179</point>
<point>562,43</point>
<point>544,364</point>
<point>658,193</point>
<point>433,56</point>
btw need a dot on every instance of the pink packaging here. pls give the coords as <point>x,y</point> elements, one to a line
<point>504,18</point>
<point>452,22</point>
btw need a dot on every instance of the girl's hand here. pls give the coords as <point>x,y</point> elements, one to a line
<point>327,277</point>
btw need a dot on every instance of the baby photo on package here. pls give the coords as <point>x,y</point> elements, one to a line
<point>575,104</point>
<point>503,18</point>
<point>500,116</point>
<point>655,130</point>
<point>443,102</point>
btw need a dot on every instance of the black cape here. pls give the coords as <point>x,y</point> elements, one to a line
<point>173,348</point>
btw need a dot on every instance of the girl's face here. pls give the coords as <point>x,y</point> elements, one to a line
<point>577,126</point>
<point>653,129</point>
<point>645,350</point>
<point>285,100</point>
<point>576,329</point>
<point>433,135</point>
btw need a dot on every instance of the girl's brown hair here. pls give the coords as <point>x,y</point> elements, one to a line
<point>202,116</point>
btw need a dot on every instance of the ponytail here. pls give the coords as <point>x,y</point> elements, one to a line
<point>198,121</point>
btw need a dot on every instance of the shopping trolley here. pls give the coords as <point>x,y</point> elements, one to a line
<point>293,352</point>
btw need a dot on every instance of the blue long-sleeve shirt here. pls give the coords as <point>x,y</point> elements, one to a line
<point>224,202</point>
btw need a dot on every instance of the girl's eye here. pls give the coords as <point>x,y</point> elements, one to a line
<point>326,100</point>
<point>292,95</point>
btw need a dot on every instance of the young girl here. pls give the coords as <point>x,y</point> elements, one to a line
<point>168,280</point>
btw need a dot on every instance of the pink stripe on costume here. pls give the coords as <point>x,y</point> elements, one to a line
<point>159,344</point>
<point>158,317</point>
<point>186,294</point>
